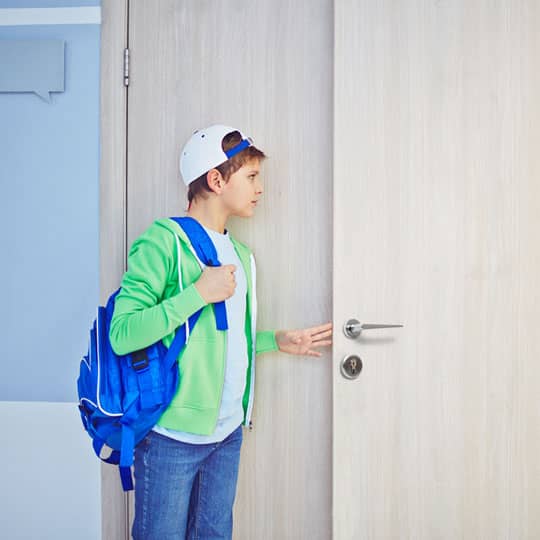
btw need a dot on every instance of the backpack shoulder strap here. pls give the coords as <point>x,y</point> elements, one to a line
<point>206,251</point>
<point>201,242</point>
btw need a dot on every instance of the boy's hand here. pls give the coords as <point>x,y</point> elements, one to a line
<point>217,283</point>
<point>302,342</point>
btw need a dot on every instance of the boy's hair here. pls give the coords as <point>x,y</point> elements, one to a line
<point>199,187</point>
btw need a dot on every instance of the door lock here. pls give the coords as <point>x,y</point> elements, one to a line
<point>351,366</point>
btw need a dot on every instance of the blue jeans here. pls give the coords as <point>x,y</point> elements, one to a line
<point>185,491</point>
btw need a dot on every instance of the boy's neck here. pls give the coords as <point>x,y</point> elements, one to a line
<point>209,215</point>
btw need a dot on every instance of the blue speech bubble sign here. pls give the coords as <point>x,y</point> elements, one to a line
<point>35,65</point>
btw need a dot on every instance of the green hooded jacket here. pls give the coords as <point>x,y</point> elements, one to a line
<point>152,304</point>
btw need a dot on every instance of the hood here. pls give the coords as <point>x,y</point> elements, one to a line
<point>172,226</point>
<point>242,249</point>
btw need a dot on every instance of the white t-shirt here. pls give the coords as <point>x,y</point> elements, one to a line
<point>231,413</point>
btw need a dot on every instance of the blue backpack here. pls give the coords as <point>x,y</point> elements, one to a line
<point>121,397</point>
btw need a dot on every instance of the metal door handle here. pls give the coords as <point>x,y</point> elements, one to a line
<point>353,328</point>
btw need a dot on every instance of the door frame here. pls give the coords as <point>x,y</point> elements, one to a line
<point>112,213</point>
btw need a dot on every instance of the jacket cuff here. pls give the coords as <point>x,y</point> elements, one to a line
<point>266,342</point>
<point>187,302</point>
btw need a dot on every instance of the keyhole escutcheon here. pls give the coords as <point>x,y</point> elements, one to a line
<point>351,366</point>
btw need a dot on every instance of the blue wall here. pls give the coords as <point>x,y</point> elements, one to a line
<point>49,212</point>
<point>49,160</point>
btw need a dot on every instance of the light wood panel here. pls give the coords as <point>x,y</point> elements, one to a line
<point>265,66</point>
<point>437,213</point>
<point>112,226</point>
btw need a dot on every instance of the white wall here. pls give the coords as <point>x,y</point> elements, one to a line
<point>50,475</point>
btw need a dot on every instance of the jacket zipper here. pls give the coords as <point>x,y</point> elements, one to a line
<point>253,312</point>
<point>251,387</point>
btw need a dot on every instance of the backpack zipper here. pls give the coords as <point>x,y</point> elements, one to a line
<point>98,362</point>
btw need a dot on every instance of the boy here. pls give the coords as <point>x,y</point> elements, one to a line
<point>186,469</point>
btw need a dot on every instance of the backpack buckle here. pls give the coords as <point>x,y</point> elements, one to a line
<point>140,360</point>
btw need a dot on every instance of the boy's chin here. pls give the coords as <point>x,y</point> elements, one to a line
<point>247,213</point>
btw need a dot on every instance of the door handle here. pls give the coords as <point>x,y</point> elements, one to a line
<point>353,328</point>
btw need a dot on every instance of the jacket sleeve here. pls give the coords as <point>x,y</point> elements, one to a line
<point>141,316</point>
<point>266,342</point>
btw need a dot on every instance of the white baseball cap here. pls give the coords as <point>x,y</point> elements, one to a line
<point>203,151</point>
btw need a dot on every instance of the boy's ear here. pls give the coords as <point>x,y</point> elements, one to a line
<point>214,180</point>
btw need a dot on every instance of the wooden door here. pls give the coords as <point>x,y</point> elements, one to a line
<point>266,67</point>
<point>436,221</point>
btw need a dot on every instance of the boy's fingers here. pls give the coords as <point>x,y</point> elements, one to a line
<point>324,334</point>
<point>321,328</point>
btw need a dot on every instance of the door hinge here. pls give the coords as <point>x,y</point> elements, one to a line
<point>126,67</point>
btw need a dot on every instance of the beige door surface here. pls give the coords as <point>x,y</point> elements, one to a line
<point>436,221</point>
<point>264,66</point>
